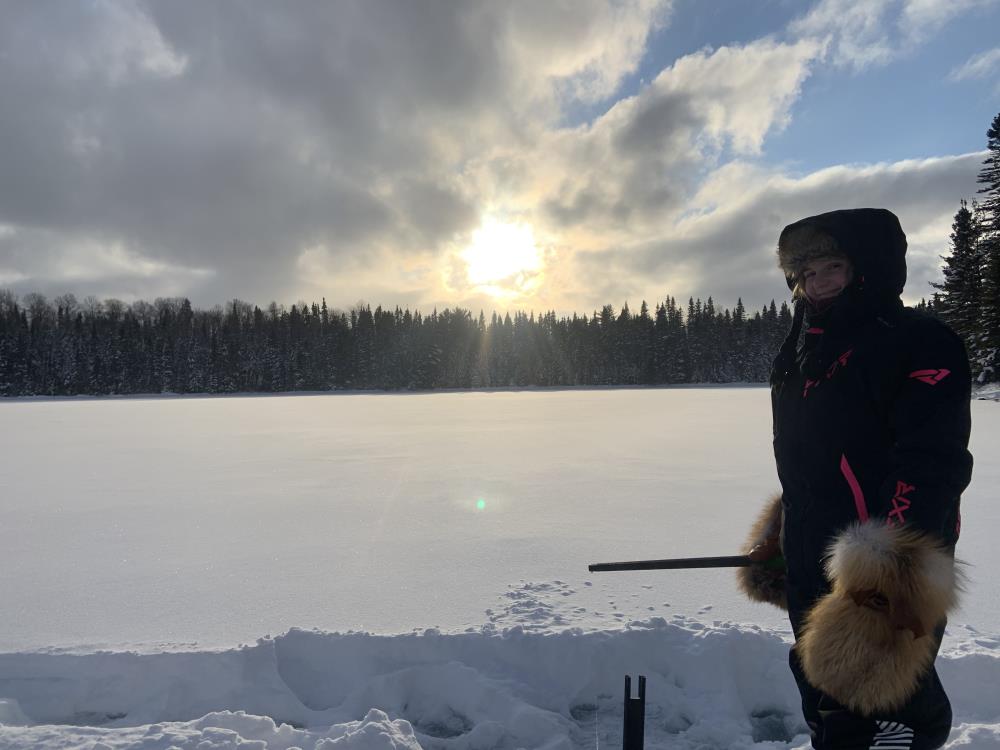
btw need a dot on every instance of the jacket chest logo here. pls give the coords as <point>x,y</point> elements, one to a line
<point>838,363</point>
<point>931,377</point>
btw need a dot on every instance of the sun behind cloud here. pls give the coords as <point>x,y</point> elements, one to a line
<point>503,259</point>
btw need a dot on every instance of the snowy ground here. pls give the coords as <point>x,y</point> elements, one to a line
<point>421,560</point>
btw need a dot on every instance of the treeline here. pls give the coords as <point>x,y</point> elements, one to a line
<point>969,297</point>
<point>65,347</point>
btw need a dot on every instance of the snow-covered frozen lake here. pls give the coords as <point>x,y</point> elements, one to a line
<point>181,528</point>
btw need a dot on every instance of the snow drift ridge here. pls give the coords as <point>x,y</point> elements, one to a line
<point>722,685</point>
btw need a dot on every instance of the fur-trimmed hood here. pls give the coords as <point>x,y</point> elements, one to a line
<point>871,238</point>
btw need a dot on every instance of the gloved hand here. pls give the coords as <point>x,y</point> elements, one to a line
<point>768,553</point>
<point>886,583</point>
<point>764,580</point>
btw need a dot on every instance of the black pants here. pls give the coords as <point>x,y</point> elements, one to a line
<point>922,724</point>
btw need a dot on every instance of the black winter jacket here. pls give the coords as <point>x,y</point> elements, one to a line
<point>870,409</point>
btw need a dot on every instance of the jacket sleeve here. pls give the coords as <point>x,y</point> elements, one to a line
<point>930,464</point>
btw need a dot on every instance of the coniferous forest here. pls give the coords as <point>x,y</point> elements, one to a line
<point>969,296</point>
<point>69,347</point>
<point>65,347</point>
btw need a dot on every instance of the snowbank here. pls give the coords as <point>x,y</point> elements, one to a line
<point>989,392</point>
<point>723,685</point>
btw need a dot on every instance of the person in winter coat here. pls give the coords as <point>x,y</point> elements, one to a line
<point>871,418</point>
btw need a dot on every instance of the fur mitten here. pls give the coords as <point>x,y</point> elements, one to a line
<point>764,581</point>
<point>869,641</point>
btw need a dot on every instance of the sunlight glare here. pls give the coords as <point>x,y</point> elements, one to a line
<point>502,257</point>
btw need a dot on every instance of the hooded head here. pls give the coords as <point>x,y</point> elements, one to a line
<point>870,238</point>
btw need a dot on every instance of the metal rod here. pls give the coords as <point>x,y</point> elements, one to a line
<point>634,719</point>
<point>733,561</point>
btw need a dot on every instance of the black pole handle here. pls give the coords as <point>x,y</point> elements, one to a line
<point>678,563</point>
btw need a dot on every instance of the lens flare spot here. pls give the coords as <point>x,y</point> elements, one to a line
<point>480,504</point>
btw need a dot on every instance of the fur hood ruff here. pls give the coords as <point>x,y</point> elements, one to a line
<point>871,238</point>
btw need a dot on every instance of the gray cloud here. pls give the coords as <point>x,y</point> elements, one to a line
<point>729,252</point>
<point>234,136</point>
<point>280,151</point>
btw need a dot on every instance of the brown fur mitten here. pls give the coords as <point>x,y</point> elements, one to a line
<point>764,581</point>
<point>869,641</point>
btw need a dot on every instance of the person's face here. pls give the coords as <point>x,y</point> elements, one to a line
<point>824,279</point>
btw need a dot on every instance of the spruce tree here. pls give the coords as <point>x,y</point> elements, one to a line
<point>960,301</point>
<point>987,357</point>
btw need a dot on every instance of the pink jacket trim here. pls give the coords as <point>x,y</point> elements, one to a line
<point>852,481</point>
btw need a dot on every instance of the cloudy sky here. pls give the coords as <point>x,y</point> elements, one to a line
<point>522,154</point>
